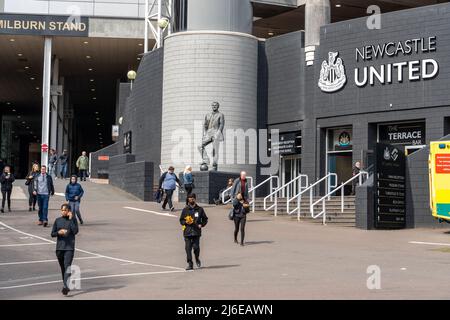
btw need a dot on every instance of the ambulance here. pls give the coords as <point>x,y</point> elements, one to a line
<point>439,170</point>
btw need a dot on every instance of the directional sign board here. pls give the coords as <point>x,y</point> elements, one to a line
<point>390,184</point>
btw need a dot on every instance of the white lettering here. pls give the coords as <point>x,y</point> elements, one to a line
<point>413,68</point>
<point>435,68</point>
<point>374,73</point>
<point>364,81</point>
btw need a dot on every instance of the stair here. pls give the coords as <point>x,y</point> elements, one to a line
<point>333,210</point>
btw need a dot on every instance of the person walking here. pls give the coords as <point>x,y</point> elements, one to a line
<point>168,182</point>
<point>74,192</point>
<point>6,180</point>
<point>32,199</point>
<point>52,160</point>
<point>65,228</point>
<point>43,189</point>
<point>227,195</point>
<point>240,210</point>
<point>193,219</point>
<point>83,166</point>
<point>188,181</point>
<point>240,185</point>
<point>355,171</point>
<point>63,164</point>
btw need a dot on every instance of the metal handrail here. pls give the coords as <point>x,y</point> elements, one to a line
<point>252,190</point>
<point>323,212</point>
<point>311,189</point>
<point>227,189</point>
<point>275,193</point>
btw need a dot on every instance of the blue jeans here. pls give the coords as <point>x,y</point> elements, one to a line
<point>168,198</point>
<point>75,208</point>
<point>52,170</point>
<point>63,171</point>
<point>83,174</point>
<point>42,200</point>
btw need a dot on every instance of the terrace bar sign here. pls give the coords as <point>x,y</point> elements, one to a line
<point>16,24</point>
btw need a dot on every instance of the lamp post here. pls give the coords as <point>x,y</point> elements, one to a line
<point>131,76</point>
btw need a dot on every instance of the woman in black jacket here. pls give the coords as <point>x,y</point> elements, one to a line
<point>6,180</point>
<point>32,199</point>
<point>240,209</point>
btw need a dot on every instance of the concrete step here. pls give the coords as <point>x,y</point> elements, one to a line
<point>347,219</point>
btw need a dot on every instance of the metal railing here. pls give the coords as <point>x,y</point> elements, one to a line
<point>311,188</point>
<point>274,194</point>
<point>328,195</point>
<point>228,189</point>
<point>271,186</point>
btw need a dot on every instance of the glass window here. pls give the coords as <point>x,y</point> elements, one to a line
<point>340,139</point>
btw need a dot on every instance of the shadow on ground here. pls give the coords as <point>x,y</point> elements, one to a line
<point>222,266</point>
<point>77,293</point>
<point>251,243</point>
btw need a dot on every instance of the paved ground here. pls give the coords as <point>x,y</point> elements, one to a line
<point>125,253</point>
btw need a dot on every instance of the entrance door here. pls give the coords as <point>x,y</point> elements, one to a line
<point>339,155</point>
<point>341,164</point>
<point>290,169</point>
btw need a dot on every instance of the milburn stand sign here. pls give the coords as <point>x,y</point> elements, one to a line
<point>44,25</point>
<point>390,187</point>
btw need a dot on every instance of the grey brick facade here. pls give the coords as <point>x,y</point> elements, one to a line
<point>267,85</point>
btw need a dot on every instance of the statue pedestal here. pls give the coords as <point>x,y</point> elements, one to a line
<point>208,184</point>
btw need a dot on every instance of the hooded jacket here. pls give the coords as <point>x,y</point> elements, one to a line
<point>73,190</point>
<point>199,217</point>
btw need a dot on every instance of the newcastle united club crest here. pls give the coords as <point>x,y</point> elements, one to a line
<point>332,74</point>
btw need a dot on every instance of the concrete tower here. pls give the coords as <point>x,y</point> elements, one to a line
<point>215,60</point>
<point>317,14</point>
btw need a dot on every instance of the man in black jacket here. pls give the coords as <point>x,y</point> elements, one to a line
<point>193,218</point>
<point>65,228</point>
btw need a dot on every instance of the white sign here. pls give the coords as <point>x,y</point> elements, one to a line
<point>332,74</point>
<point>115,131</point>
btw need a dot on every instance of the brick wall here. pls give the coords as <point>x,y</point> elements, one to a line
<point>133,177</point>
<point>100,168</point>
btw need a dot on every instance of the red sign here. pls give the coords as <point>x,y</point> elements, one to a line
<point>443,163</point>
<point>103,158</point>
<point>44,147</point>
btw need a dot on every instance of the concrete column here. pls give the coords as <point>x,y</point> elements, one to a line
<point>60,126</point>
<point>46,97</point>
<point>54,106</point>
<point>220,15</point>
<point>317,14</point>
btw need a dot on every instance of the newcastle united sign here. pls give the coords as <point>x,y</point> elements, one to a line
<point>44,25</point>
<point>333,77</point>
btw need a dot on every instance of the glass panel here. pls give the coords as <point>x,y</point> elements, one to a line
<point>340,139</point>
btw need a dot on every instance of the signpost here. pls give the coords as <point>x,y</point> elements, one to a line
<point>127,142</point>
<point>289,143</point>
<point>44,147</point>
<point>44,25</point>
<point>410,133</point>
<point>390,187</point>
